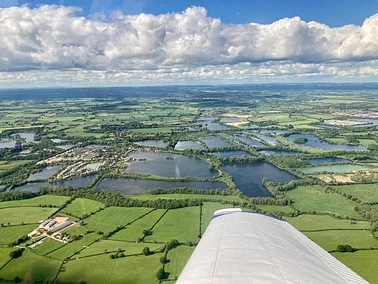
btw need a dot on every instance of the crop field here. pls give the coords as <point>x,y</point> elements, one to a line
<point>47,246</point>
<point>365,192</point>
<point>9,234</point>
<point>52,200</point>
<point>112,217</point>
<point>357,261</point>
<point>26,215</point>
<point>308,222</point>
<point>73,247</point>
<point>275,209</point>
<point>314,199</point>
<point>110,246</point>
<point>330,239</point>
<point>100,269</point>
<point>177,258</point>
<point>208,210</point>
<point>180,224</point>
<point>31,266</point>
<point>81,207</point>
<point>135,230</point>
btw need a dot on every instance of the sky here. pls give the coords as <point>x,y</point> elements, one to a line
<point>51,43</point>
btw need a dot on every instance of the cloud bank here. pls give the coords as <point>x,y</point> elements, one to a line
<point>177,46</point>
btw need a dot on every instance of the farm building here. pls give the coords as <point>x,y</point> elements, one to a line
<point>60,226</point>
<point>243,247</point>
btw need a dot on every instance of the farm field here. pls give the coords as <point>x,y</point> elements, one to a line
<point>313,198</point>
<point>92,135</point>
<point>181,224</point>
<point>81,207</point>
<point>26,215</point>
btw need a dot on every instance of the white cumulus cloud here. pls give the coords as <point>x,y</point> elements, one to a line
<point>178,45</point>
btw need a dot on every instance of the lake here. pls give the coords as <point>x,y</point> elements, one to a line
<point>7,144</point>
<point>135,186</point>
<point>336,169</point>
<point>236,153</point>
<point>208,118</point>
<point>249,176</point>
<point>268,139</point>
<point>372,122</point>
<point>185,145</point>
<point>177,166</point>
<point>75,183</point>
<point>253,142</point>
<point>315,142</point>
<point>230,119</point>
<point>215,142</point>
<point>46,173</point>
<point>280,152</point>
<point>66,146</point>
<point>328,160</point>
<point>152,143</point>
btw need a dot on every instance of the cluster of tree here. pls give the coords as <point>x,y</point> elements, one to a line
<point>240,159</point>
<point>20,240</point>
<point>16,253</point>
<point>119,254</point>
<point>146,251</point>
<point>345,248</point>
<point>16,195</point>
<point>300,140</point>
<point>110,198</point>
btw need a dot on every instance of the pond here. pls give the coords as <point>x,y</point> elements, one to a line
<point>185,145</point>
<point>135,186</point>
<point>28,136</point>
<point>249,176</point>
<point>46,173</point>
<point>315,142</point>
<point>215,142</point>
<point>57,140</point>
<point>169,165</point>
<point>336,169</point>
<point>236,153</point>
<point>152,143</point>
<point>75,183</point>
<point>7,144</point>
<point>208,118</point>
<point>213,126</point>
<point>253,142</point>
<point>328,160</point>
<point>280,152</point>
<point>270,140</point>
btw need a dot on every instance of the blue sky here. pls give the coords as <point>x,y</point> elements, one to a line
<point>331,12</point>
<point>149,42</point>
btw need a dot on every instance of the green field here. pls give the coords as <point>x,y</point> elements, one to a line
<point>323,222</point>
<point>81,207</point>
<point>12,233</point>
<point>72,248</point>
<point>364,263</point>
<point>275,209</point>
<point>10,165</point>
<point>180,224</point>
<point>26,215</point>
<point>336,169</point>
<point>4,255</point>
<point>31,267</point>
<point>177,258</point>
<point>365,192</point>
<point>47,246</point>
<point>330,239</point>
<point>53,200</point>
<point>112,217</point>
<point>134,231</point>
<point>112,246</point>
<point>312,198</point>
<point>99,269</point>
<point>228,198</point>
